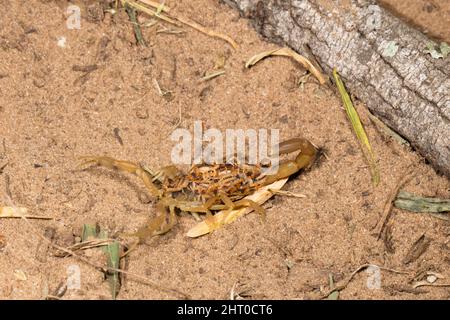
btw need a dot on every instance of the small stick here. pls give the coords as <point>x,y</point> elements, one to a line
<point>233,288</point>
<point>432,285</point>
<point>344,283</point>
<point>288,52</point>
<point>389,204</point>
<point>3,167</point>
<point>212,75</point>
<point>210,33</point>
<point>137,28</point>
<point>169,31</point>
<point>117,136</point>
<point>287,193</point>
<point>156,5</point>
<point>158,87</point>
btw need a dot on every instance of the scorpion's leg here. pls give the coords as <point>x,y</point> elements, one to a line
<point>198,207</point>
<point>170,172</point>
<point>245,203</point>
<point>126,166</point>
<point>252,204</point>
<point>230,205</point>
<point>161,224</point>
<point>305,158</point>
<point>209,205</point>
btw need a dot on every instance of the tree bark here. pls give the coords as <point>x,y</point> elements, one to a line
<point>381,59</point>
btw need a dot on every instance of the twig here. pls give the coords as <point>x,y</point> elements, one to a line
<point>210,33</point>
<point>170,31</point>
<point>87,245</point>
<point>2,167</point>
<point>287,193</point>
<point>288,52</point>
<point>212,75</point>
<point>161,92</point>
<point>417,249</point>
<point>160,6</point>
<point>432,285</point>
<point>10,212</point>
<point>389,203</point>
<point>137,28</point>
<point>344,283</point>
<point>117,136</point>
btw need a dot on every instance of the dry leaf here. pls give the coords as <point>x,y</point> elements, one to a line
<point>222,218</point>
<point>287,52</point>
<point>20,275</point>
<point>10,212</point>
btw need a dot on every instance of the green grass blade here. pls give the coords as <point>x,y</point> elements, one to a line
<point>335,294</point>
<point>89,231</point>
<point>358,128</point>
<point>411,202</point>
<point>136,27</point>
<point>112,252</point>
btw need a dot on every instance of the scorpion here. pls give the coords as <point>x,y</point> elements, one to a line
<point>206,188</point>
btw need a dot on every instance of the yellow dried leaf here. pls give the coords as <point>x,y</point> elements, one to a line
<point>148,11</point>
<point>287,52</point>
<point>156,5</point>
<point>222,217</point>
<point>11,212</point>
<point>20,275</point>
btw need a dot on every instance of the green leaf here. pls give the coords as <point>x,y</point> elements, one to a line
<point>411,202</point>
<point>112,252</point>
<point>89,231</point>
<point>358,128</point>
<point>335,294</point>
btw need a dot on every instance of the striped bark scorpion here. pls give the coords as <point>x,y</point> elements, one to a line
<point>206,188</point>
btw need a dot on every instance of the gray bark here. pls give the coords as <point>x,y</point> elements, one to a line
<point>405,87</point>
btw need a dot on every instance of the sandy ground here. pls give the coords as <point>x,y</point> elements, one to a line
<point>50,114</point>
